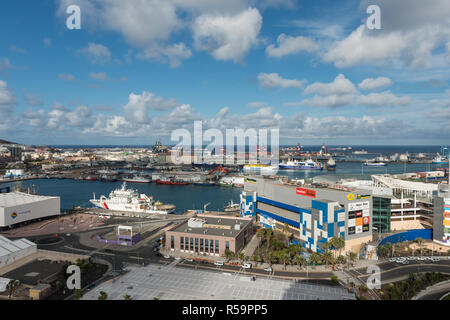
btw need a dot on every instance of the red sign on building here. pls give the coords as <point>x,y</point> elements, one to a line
<point>306,192</point>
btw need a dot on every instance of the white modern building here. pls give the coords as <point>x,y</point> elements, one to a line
<point>13,250</point>
<point>19,207</point>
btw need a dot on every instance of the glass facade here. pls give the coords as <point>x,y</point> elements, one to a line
<point>201,245</point>
<point>196,244</point>
<point>192,244</point>
<point>227,245</point>
<point>172,242</point>
<point>211,246</point>
<point>182,243</point>
<point>217,246</point>
<point>381,214</point>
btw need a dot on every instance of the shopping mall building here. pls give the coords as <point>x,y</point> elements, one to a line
<point>312,215</point>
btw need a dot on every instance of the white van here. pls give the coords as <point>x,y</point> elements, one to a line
<point>218,263</point>
<point>246,266</point>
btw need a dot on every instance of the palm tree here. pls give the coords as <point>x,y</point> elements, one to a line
<point>241,257</point>
<point>285,258</point>
<point>420,242</point>
<point>11,287</point>
<point>228,254</point>
<point>300,261</point>
<point>270,258</point>
<point>315,258</point>
<point>103,295</point>
<point>352,256</point>
<point>328,257</point>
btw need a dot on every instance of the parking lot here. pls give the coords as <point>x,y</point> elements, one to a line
<point>173,283</point>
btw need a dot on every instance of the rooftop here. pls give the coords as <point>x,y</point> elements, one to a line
<point>18,198</point>
<point>214,225</point>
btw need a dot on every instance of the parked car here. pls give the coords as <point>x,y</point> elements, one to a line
<point>435,259</point>
<point>246,266</point>
<point>177,258</point>
<point>167,256</point>
<point>268,269</point>
<point>392,260</point>
<point>189,260</point>
<point>219,263</point>
<point>405,262</point>
<point>411,258</point>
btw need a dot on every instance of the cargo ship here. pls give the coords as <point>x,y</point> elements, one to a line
<point>170,181</point>
<point>301,165</point>
<point>137,179</point>
<point>130,200</point>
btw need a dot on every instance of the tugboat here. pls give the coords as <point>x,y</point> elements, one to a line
<point>331,164</point>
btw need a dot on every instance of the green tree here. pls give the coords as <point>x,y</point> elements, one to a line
<point>285,258</point>
<point>328,258</point>
<point>241,257</point>
<point>315,258</point>
<point>103,295</point>
<point>228,254</point>
<point>351,256</point>
<point>78,294</point>
<point>11,287</point>
<point>300,261</point>
<point>334,280</point>
<point>127,297</point>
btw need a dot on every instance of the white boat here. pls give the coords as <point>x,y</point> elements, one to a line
<point>137,179</point>
<point>231,207</point>
<point>439,160</point>
<point>260,168</point>
<point>130,200</point>
<point>374,164</point>
<point>360,152</point>
<point>301,165</point>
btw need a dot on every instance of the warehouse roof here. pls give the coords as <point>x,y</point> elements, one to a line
<point>9,246</point>
<point>18,198</point>
<point>215,226</point>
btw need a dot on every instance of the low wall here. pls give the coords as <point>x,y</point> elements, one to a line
<point>410,235</point>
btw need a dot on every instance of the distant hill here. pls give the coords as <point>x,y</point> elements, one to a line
<point>6,142</point>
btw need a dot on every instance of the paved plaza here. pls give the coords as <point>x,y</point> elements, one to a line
<point>174,283</point>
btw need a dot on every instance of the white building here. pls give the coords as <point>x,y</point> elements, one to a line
<point>13,250</point>
<point>19,207</point>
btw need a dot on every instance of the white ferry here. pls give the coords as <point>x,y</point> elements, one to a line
<point>130,200</point>
<point>303,165</point>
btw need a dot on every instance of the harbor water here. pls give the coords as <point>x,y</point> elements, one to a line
<point>78,193</point>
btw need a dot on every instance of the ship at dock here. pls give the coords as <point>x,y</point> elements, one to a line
<point>130,200</point>
<point>260,168</point>
<point>301,165</point>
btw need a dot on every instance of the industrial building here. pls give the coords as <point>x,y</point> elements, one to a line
<point>210,235</point>
<point>312,215</point>
<point>17,208</point>
<point>11,251</point>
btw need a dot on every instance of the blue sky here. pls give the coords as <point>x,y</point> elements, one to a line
<point>139,69</point>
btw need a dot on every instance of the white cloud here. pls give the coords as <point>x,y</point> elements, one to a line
<point>227,37</point>
<point>375,84</point>
<point>331,101</point>
<point>33,100</point>
<point>4,64</point>
<point>96,53</point>
<point>139,105</point>
<point>411,37</point>
<point>66,77</point>
<point>174,54</point>
<point>291,45</point>
<point>340,86</point>
<point>273,80</point>
<point>7,97</point>
<point>383,99</point>
<point>100,76</point>
<point>47,42</point>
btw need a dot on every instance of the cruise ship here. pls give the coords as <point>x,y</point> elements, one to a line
<point>301,165</point>
<point>130,200</point>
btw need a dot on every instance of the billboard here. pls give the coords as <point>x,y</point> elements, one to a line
<point>305,192</point>
<point>446,221</point>
<point>358,217</point>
